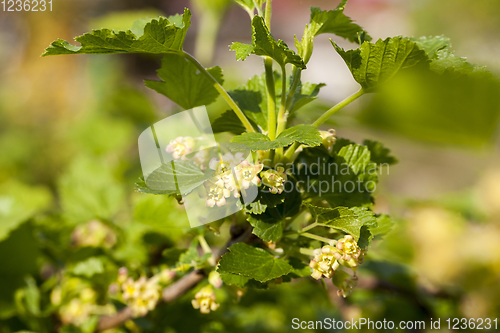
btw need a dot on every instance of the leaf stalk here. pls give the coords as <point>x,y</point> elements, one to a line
<point>222,91</point>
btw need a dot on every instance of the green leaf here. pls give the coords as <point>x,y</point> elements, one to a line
<point>252,98</point>
<point>18,203</point>
<point>158,36</point>
<point>305,134</point>
<point>447,62</point>
<point>305,94</point>
<point>228,122</point>
<point>252,262</point>
<point>264,44</point>
<point>437,108</point>
<point>384,225</point>
<point>89,190</point>
<point>241,281</point>
<point>141,186</point>
<point>299,269</point>
<point>247,5</point>
<point>374,64</point>
<point>268,225</point>
<point>443,59</point>
<point>182,174</point>
<point>269,230</point>
<point>356,157</point>
<point>264,200</point>
<point>335,22</point>
<point>89,267</point>
<point>256,208</point>
<point>162,213</point>
<point>379,154</point>
<point>431,45</point>
<point>365,237</point>
<point>28,298</point>
<point>242,50</point>
<point>349,220</point>
<point>234,279</point>
<point>190,257</point>
<point>183,83</point>
<point>347,177</point>
<point>249,101</point>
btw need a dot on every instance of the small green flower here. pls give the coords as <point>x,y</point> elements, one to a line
<point>275,179</point>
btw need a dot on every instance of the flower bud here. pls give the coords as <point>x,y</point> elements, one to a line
<point>166,276</point>
<point>328,138</point>
<point>122,274</point>
<point>214,279</point>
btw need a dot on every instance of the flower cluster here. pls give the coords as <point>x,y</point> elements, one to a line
<point>142,294</point>
<point>181,146</point>
<point>205,300</point>
<point>77,301</point>
<point>78,309</point>
<point>275,179</point>
<point>326,260</point>
<point>93,233</point>
<point>232,175</point>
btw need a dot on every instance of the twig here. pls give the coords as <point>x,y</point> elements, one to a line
<point>172,292</point>
<point>107,322</point>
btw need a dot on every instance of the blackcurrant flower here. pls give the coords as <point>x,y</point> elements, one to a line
<point>205,300</point>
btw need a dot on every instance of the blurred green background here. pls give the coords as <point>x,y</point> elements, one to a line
<point>68,154</point>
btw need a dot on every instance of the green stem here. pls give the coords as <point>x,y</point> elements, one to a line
<point>282,112</point>
<point>319,238</point>
<point>307,252</point>
<point>294,84</point>
<point>268,14</point>
<point>290,151</point>
<point>222,91</point>
<point>309,227</point>
<point>259,9</point>
<point>160,155</point>
<point>271,98</point>
<point>339,106</point>
<point>206,248</point>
